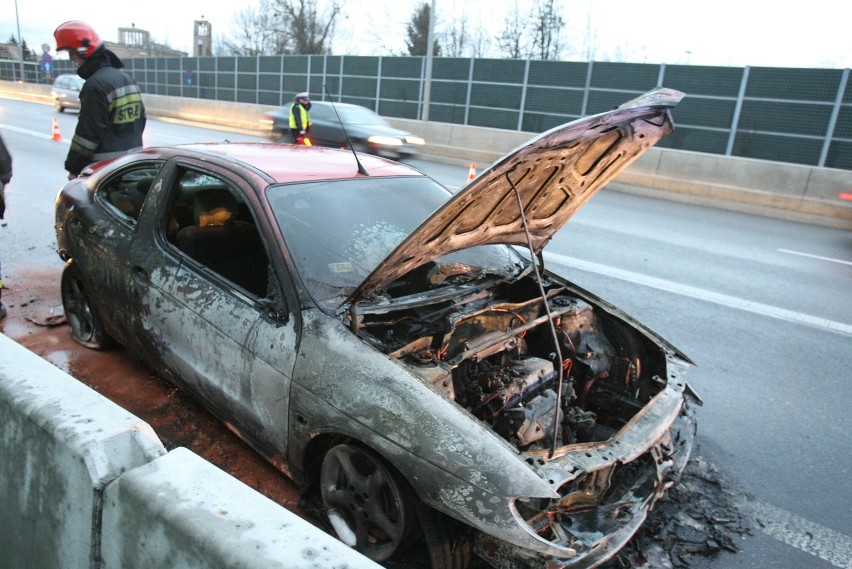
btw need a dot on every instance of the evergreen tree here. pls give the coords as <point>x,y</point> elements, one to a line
<point>418,33</point>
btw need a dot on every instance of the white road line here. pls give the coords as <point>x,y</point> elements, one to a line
<point>31,132</point>
<point>821,258</point>
<point>705,295</point>
<point>819,541</point>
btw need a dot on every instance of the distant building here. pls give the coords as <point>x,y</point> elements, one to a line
<point>202,38</point>
<point>13,51</point>
<point>135,42</point>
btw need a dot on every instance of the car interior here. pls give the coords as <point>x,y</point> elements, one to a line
<point>127,191</point>
<point>212,226</point>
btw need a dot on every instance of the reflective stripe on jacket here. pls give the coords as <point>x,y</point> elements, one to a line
<point>299,119</point>
<point>112,115</point>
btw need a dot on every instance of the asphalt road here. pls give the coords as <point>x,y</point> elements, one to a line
<point>763,307</point>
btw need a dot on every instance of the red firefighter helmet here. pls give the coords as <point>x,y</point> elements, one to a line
<point>77,36</point>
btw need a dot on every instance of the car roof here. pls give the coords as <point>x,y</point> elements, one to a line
<point>285,163</point>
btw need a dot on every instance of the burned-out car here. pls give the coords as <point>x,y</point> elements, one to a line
<point>398,350</point>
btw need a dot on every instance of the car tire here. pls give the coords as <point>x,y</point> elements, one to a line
<point>59,107</point>
<point>86,325</point>
<point>366,503</point>
<point>448,541</point>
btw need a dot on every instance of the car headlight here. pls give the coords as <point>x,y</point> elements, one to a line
<point>414,140</point>
<point>384,141</point>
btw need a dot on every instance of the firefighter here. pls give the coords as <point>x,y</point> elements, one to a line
<point>300,119</point>
<point>112,115</point>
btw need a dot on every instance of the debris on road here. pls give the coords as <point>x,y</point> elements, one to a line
<point>699,518</point>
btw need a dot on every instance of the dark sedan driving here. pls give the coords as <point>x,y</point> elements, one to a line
<point>343,125</point>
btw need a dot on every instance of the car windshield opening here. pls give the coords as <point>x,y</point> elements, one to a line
<point>337,232</point>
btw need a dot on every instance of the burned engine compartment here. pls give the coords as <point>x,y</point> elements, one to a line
<point>494,353</point>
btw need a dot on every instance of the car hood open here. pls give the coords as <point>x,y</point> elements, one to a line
<point>555,173</point>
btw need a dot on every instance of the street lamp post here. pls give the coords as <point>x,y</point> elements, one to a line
<point>20,41</point>
<point>427,80</point>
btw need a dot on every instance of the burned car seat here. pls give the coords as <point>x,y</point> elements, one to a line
<point>228,246</point>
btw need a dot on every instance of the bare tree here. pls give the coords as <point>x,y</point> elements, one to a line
<point>308,28</point>
<point>456,39</point>
<point>418,32</point>
<point>512,41</point>
<point>547,29</point>
<point>278,27</point>
<point>481,41</point>
<point>590,37</point>
<point>252,35</point>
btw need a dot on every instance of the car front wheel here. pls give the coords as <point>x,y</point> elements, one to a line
<point>86,325</point>
<point>369,509</point>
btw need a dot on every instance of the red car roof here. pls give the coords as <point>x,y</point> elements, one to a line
<point>291,163</point>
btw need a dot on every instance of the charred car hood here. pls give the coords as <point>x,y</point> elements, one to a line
<point>555,173</point>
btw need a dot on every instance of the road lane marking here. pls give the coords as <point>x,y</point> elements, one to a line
<point>805,535</point>
<point>31,132</point>
<point>821,258</point>
<point>705,295</point>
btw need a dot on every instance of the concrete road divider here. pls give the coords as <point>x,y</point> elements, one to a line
<point>62,444</point>
<point>86,484</point>
<point>181,511</point>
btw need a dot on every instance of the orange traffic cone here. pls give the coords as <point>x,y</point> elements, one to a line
<point>472,172</point>
<point>56,134</point>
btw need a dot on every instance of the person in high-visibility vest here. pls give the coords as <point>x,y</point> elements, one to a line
<point>300,119</point>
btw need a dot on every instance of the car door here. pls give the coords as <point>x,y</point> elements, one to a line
<point>325,127</point>
<point>105,243</point>
<point>205,321</point>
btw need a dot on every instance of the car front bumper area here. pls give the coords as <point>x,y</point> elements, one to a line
<point>606,500</point>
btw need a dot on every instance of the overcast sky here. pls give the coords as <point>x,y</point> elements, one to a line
<point>724,32</point>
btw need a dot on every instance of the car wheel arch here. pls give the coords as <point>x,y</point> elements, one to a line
<point>87,327</point>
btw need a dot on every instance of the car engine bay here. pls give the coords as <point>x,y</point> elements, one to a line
<point>493,353</point>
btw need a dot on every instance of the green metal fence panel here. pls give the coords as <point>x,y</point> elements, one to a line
<point>840,155</point>
<point>361,65</point>
<point>630,77</point>
<point>450,92</point>
<point>451,69</point>
<point>696,140</point>
<point>784,114</point>
<point>766,146</point>
<point>793,84</point>
<point>558,74</point>
<point>704,81</point>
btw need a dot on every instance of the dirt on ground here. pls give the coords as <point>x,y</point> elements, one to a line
<point>698,521</point>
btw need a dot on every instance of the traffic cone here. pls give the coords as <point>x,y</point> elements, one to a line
<point>472,172</point>
<point>56,134</point>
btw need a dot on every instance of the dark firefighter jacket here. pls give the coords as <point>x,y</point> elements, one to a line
<point>112,116</point>
<point>5,175</point>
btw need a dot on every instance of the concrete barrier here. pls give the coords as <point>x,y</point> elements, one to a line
<point>796,192</point>
<point>86,484</point>
<point>62,444</point>
<point>181,511</point>
<point>807,194</point>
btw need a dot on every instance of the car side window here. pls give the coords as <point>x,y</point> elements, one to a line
<point>322,113</point>
<point>125,192</point>
<point>210,222</point>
